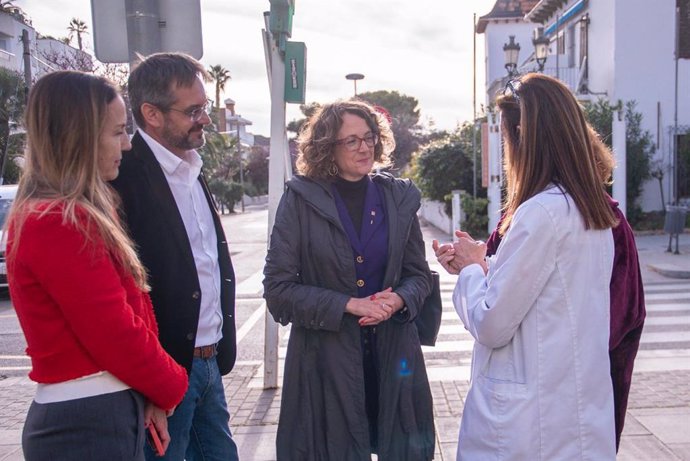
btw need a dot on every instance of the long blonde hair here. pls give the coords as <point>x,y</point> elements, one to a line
<point>548,140</point>
<point>64,118</point>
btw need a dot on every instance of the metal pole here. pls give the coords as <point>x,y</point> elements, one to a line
<point>276,186</point>
<point>674,176</point>
<point>558,51</point>
<point>355,87</point>
<point>474,105</point>
<point>143,30</point>
<point>239,156</point>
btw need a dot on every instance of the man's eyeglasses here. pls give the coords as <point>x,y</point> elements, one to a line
<point>353,143</point>
<point>194,114</point>
<point>512,89</point>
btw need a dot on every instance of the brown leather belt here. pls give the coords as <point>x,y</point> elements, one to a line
<point>206,352</point>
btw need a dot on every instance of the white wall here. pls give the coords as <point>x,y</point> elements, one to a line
<point>435,214</point>
<point>496,35</point>
<point>645,72</point>
<point>11,29</point>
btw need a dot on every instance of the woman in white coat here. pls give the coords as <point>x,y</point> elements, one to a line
<point>539,309</point>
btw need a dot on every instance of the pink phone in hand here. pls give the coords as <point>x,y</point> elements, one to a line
<point>155,440</point>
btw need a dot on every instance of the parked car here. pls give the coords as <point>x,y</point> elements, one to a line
<point>7,194</point>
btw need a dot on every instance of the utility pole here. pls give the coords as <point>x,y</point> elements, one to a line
<point>27,63</point>
<point>239,156</point>
<point>474,105</point>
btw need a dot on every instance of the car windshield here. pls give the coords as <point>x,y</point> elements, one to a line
<point>5,205</point>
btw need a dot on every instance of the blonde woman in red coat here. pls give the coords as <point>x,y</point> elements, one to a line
<point>78,287</point>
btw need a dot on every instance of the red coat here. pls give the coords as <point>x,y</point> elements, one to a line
<point>81,313</point>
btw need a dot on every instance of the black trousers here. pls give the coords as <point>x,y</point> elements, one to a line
<point>108,427</point>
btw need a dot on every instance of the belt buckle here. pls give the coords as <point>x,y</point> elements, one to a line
<point>206,352</point>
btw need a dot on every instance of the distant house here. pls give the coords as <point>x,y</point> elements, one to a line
<point>612,49</point>
<point>231,124</point>
<point>47,53</point>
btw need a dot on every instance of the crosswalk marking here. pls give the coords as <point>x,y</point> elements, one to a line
<point>664,346</point>
<point>665,343</point>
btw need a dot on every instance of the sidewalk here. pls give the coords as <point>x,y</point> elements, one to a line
<point>656,425</point>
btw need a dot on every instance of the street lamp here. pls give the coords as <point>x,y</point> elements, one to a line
<point>354,78</point>
<point>512,51</point>
<point>541,47</point>
<point>239,121</point>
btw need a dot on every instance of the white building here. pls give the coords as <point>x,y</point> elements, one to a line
<point>619,50</point>
<point>47,54</point>
<point>231,124</point>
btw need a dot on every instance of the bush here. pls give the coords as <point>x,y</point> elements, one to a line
<point>228,193</point>
<point>639,147</point>
<point>476,221</point>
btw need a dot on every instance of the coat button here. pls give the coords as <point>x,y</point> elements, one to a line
<point>190,336</point>
<point>196,295</point>
<point>360,259</point>
<point>360,283</point>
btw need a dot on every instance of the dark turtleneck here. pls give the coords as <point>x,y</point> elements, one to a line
<point>353,194</point>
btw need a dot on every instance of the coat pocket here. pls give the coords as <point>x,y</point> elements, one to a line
<point>507,364</point>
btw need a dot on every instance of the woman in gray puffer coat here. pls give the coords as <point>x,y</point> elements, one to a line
<point>346,267</point>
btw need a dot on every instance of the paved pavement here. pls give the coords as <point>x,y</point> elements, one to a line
<point>657,424</point>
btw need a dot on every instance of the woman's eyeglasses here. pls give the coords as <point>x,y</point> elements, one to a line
<point>512,89</point>
<point>353,143</point>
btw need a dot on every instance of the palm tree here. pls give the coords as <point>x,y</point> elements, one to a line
<point>77,26</point>
<point>221,76</point>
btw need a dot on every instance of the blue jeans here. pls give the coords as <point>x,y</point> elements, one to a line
<point>199,428</point>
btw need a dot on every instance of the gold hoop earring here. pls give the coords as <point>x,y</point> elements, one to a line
<point>333,169</point>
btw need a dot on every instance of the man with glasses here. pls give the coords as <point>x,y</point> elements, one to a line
<point>172,218</point>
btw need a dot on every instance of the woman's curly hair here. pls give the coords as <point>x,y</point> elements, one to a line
<point>318,136</point>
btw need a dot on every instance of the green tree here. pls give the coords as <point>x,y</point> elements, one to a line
<point>446,165</point>
<point>404,113</point>
<point>12,101</point>
<point>220,76</point>
<point>256,171</point>
<point>295,126</point>
<point>222,166</point>
<point>639,146</point>
<point>77,27</point>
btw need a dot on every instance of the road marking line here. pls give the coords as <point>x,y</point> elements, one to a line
<point>251,321</point>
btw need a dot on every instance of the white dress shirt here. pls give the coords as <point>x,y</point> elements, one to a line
<point>182,175</point>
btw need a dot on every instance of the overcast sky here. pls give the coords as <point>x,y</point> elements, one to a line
<point>422,49</point>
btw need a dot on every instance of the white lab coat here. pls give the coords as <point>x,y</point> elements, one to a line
<point>541,386</point>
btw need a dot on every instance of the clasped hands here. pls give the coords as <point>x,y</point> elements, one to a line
<point>376,308</point>
<point>455,256</point>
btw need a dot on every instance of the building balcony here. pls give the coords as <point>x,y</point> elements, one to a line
<point>572,77</point>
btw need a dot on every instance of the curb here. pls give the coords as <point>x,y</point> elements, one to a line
<point>670,270</point>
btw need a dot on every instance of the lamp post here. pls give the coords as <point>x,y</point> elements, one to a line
<point>354,78</point>
<point>239,121</point>
<point>541,47</point>
<point>512,51</point>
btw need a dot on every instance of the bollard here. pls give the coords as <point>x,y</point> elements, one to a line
<point>674,223</point>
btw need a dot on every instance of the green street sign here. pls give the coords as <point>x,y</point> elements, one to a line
<point>295,72</point>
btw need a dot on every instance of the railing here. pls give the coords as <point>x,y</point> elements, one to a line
<point>568,75</point>
<point>6,55</point>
